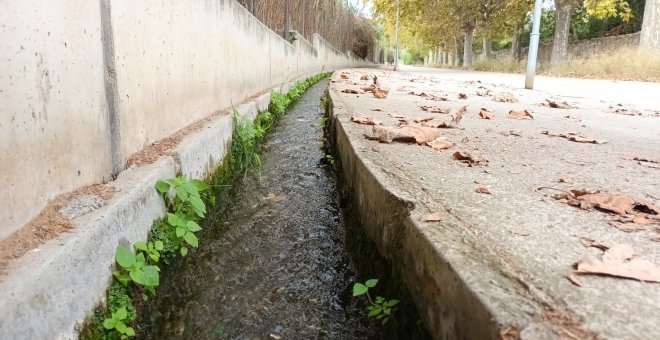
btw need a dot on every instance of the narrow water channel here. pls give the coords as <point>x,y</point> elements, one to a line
<point>273,265</point>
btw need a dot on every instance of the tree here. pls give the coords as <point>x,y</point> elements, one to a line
<point>596,8</point>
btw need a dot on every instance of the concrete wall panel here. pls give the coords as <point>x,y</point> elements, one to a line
<point>54,134</point>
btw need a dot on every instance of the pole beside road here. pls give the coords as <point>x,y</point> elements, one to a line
<point>533,46</point>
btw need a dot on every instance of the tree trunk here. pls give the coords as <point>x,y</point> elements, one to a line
<point>467,48</point>
<point>456,61</point>
<point>488,51</point>
<point>560,42</point>
<point>516,46</point>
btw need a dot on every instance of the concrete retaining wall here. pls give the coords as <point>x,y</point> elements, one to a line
<point>54,128</point>
<point>86,84</point>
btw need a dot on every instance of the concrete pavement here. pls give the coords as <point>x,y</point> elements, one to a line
<point>499,264</point>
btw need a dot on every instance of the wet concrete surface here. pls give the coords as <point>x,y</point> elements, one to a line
<point>274,264</point>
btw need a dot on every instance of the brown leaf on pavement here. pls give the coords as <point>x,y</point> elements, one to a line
<point>405,134</point>
<point>343,76</point>
<point>486,114</point>
<point>482,190</point>
<point>364,77</point>
<point>589,242</point>
<point>524,114</point>
<point>440,144</point>
<point>434,109</point>
<point>505,97</point>
<point>613,203</point>
<point>574,137</point>
<point>469,159</point>
<point>424,119</point>
<point>352,91</point>
<point>462,96</point>
<point>574,280</point>
<point>456,116</point>
<point>366,121</point>
<point>620,261</point>
<point>565,179</point>
<point>646,161</point>
<point>435,217</point>
<point>376,109</point>
<point>619,108</point>
<point>509,333</point>
<point>380,93</point>
<point>556,105</point>
<point>369,88</point>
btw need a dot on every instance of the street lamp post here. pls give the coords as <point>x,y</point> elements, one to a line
<point>533,46</point>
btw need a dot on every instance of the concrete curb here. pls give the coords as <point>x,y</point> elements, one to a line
<point>461,289</point>
<point>57,285</point>
<point>49,291</point>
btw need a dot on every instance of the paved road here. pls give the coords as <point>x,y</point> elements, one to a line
<point>522,233</point>
<point>643,94</point>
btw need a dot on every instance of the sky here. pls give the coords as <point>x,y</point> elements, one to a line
<point>366,9</point>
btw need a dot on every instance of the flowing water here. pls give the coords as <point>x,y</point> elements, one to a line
<point>272,262</point>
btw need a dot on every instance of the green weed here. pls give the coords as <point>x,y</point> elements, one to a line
<point>380,309</point>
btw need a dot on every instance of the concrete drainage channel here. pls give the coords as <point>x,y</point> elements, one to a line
<point>280,254</point>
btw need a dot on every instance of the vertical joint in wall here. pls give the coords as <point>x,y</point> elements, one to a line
<point>110,79</point>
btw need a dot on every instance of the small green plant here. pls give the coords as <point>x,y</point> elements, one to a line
<point>278,103</point>
<point>152,249</point>
<point>117,322</point>
<point>184,230</point>
<point>134,268</point>
<point>321,122</point>
<point>380,309</point>
<point>244,144</point>
<point>183,196</point>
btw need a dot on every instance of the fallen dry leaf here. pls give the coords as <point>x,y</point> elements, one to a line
<point>589,242</point>
<point>486,114</point>
<point>352,91</point>
<point>613,203</point>
<point>366,121</point>
<point>469,159</point>
<point>571,277</point>
<point>628,227</point>
<point>369,88</point>
<point>620,261</point>
<point>364,77</point>
<point>482,190</point>
<point>434,109</point>
<point>379,93</point>
<point>574,137</point>
<point>462,96</point>
<point>524,114</point>
<point>435,217</point>
<point>424,119</point>
<point>343,76</point>
<point>619,108</point>
<point>406,134</point>
<point>509,333</point>
<point>457,115</point>
<point>646,161</point>
<point>556,105</point>
<point>376,109</point>
<point>440,144</point>
<point>505,97</point>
